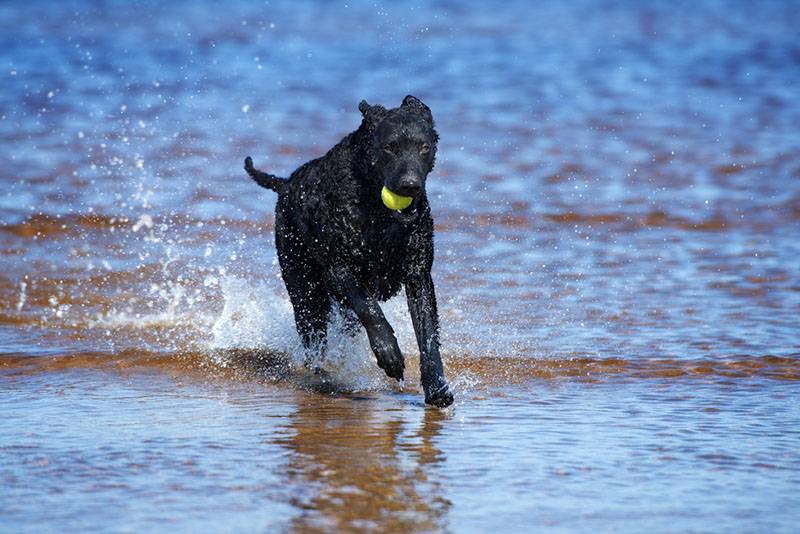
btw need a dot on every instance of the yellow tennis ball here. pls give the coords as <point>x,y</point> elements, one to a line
<point>393,201</point>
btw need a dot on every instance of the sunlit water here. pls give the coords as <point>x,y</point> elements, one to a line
<point>617,207</point>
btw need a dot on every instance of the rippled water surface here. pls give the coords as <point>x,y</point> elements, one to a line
<point>617,207</point>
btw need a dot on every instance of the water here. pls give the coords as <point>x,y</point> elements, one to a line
<point>617,207</point>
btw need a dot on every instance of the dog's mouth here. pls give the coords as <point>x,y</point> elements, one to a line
<point>409,214</point>
<point>403,208</point>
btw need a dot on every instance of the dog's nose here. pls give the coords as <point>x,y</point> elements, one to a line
<point>408,187</point>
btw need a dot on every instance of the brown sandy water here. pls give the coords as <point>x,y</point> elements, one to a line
<point>617,207</point>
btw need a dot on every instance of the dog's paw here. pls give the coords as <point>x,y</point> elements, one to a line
<point>389,357</point>
<point>441,396</point>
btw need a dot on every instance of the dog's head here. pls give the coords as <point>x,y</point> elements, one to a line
<point>403,149</point>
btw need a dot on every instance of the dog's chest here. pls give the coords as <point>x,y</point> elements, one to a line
<point>385,252</point>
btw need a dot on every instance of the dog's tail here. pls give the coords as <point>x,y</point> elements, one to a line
<point>263,179</point>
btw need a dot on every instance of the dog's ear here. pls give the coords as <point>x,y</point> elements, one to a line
<point>411,101</point>
<point>372,114</point>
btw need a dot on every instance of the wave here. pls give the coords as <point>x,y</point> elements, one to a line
<point>47,225</point>
<point>465,371</point>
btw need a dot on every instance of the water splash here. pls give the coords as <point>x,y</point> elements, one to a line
<point>23,287</point>
<point>259,316</point>
<point>253,315</point>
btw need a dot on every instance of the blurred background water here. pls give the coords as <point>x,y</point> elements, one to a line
<point>617,207</point>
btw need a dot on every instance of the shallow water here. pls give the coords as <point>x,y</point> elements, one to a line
<point>617,207</point>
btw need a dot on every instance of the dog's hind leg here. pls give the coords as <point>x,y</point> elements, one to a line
<point>310,314</point>
<point>311,310</point>
<point>309,296</point>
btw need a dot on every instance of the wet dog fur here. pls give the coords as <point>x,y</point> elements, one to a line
<point>338,243</point>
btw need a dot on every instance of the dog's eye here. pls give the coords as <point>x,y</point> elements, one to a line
<point>424,148</point>
<point>387,148</point>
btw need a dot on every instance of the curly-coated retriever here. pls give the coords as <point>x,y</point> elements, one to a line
<point>337,240</point>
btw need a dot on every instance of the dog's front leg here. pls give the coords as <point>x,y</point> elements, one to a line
<point>425,318</point>
<point>379,331</point>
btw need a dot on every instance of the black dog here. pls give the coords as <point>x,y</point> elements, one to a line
<point>337,241</point>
